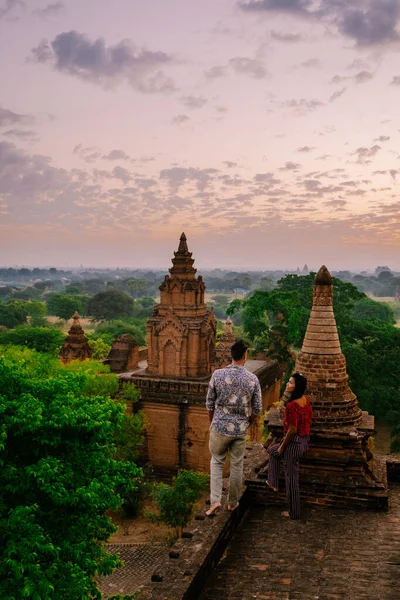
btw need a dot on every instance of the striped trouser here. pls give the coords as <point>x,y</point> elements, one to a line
<point>291,454</point>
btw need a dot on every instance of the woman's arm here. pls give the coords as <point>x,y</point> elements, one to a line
<point>291,432</point>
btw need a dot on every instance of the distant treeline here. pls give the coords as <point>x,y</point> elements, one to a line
<point>23,283</point>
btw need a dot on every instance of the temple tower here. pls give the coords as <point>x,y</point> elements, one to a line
<point>76,345</point>
<point>181,331</point>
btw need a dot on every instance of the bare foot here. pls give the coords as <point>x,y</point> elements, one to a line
<point>232,507</point>
<point>213,509</point>
<point>272,488</point>
<point>285,513</point>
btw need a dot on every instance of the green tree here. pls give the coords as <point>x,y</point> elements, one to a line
<point>175,502</point>
<point>136,328</point>
<point>12,314</point>
<point>58,479</point>
<point>110,305</point>
<point>368,309</point>
<point>65,306</point>
<point>42,339</point>
<point>100,348</point>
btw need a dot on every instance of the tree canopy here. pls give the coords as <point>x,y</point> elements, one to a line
<point>65,306</point>
<point>113,304</point>
<point>58,477</point>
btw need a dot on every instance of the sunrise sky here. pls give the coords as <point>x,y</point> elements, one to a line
<point>267,130</point>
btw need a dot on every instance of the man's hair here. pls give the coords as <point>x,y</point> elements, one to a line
<point>238,350</point>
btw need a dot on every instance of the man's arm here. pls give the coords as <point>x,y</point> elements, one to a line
<point>211,398</point>
<point>256,403</point>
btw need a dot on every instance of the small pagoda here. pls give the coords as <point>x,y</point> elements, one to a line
<point>76,345</point>
<point>340,468</point>
<point>222,354</point>
<point>181,331</point>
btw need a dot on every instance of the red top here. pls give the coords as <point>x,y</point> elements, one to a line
<point>299,417</point>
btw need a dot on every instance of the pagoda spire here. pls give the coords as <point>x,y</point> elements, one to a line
<point>322,362</point>
<point>183,262</point>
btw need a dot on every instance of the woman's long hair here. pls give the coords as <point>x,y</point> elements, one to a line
<point>301,384</point>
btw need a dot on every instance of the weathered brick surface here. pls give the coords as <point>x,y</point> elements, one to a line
<point>328,555</point>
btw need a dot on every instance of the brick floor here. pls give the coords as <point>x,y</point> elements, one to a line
<point>140,561</point>
<point>327,555</point>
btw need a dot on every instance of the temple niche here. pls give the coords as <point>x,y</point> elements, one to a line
<point>76,345</point>
<point>181,331</point>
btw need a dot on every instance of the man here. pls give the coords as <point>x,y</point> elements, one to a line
<point>233,401</point>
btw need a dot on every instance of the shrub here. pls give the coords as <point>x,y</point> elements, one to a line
<point>175,502</point>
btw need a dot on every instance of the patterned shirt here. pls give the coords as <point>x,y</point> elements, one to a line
<point>233,394</point>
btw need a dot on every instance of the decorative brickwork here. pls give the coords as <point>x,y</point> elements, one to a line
<point>76,346</point>
<point>124,354</point>
<point>181,331</point>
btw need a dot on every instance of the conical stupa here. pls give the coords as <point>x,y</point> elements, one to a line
<point>322,362</point>
<point>76,345</point>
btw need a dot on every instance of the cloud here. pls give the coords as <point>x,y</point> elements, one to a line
<point>194,102</point>
<point>88,154</point>
<point>177,176</point>
<point>374,22</point>
<point>303,106</point>
<point>116,155</point>
<point>8,117</point>
<point>9,7</point>
<point>248,66</point>
<point>311,63</point>
<point>291,6</point>
<point>363,154</point>
<point>367,22</point>
<point>49,10</point>
<point>180,119</point>
<point>74,54</point>
<point>336,95</point>
<point>21,134</point>
<point>305,149</point>
<point>360,77</point>
<point>382,138</point>
<point>290,166</point>
<point>396,80</point>
<point>215,72</point>
<point>121,174</point>
<point>290,38</point>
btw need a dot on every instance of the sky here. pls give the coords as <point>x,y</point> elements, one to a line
<point>267,130</point>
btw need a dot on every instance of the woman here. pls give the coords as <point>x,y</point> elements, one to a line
<point>297,423</point>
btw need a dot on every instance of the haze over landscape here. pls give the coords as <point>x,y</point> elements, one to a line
<point>267,130</point>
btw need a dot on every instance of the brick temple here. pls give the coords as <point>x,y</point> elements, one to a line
<point>182,354</point>
<point>340,468</point>
<point>76,345</point>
